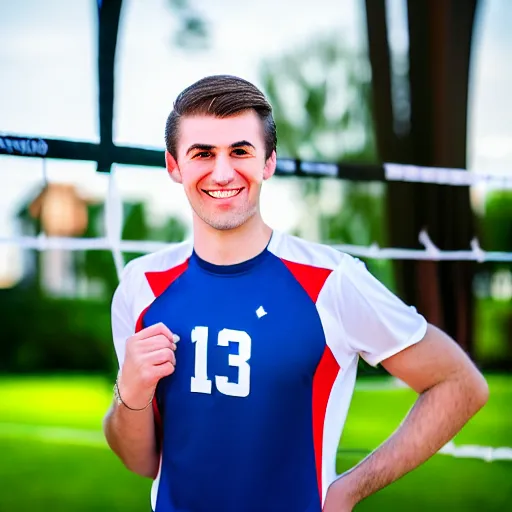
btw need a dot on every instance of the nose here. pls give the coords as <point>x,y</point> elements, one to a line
<point>223,172</point>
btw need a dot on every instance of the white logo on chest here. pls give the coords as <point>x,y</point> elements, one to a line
<point>260,312</point>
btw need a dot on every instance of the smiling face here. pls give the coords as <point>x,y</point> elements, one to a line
<point>221,164</point>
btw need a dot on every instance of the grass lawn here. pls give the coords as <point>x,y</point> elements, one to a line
<point>54,457</point>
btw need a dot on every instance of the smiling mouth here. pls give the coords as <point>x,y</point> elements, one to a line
<point>223,194</point>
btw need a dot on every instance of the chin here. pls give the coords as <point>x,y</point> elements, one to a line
<point>225,225</point>
<point>227,222</point>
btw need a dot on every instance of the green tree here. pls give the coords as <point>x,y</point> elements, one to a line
<point>320,94</point>
<point>496,224</point>
<point>192,32</point>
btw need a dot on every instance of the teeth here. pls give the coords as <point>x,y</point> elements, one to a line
<point>221,194</point>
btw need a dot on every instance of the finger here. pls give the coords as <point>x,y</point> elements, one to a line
<point>161,356</point>
<point>164,369</point>
<point>154,330</point>
<point>153,343</point>
<point>162,343</point>
<point>156,342</point>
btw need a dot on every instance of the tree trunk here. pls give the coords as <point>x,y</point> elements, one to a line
<point>439,55</point>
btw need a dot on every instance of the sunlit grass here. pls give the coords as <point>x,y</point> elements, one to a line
<point>376,414</point>
<point>54,456</point>
<point>57,400</point>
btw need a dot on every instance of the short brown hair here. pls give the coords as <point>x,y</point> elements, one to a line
<point>221,96</point>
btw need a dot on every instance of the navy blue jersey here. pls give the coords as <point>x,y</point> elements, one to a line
<point>266,363</point>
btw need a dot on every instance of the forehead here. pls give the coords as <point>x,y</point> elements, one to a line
<point>220,132</point>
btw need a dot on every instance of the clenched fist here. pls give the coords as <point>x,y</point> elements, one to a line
<point>148,358</point>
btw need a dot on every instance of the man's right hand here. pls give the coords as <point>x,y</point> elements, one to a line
<point>148,358</point>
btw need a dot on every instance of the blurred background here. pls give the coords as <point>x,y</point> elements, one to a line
<point>85,90</point>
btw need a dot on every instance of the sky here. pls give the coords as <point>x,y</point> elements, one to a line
<point>48,85</point>
<point>490,120</point>
<point>47,55</point>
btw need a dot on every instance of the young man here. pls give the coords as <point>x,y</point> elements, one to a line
<point>238,353</point>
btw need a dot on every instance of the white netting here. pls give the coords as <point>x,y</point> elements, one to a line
<point>114,224</point>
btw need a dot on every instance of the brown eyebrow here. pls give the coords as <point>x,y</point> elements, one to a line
<point>209,147</point>
<point>241,144</point>
<point>202,147</point>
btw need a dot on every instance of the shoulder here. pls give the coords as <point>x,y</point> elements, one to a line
<point>341,266</point>
<point>160,261</point>
<point>298,250</point>
<point>340,276</point>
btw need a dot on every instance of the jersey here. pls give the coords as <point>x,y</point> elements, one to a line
<point>266,365</point>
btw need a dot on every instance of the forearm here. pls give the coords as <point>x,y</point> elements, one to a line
<point>438,414</point>
<point>131,436</point>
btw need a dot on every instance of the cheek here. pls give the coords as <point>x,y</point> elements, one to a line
<point>252,174</point>
<point>193,174</point>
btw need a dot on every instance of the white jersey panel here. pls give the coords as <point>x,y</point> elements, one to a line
<point>133,294</point>
<point>155,485</point>
<point>343,387</point>
<point>375,322</point>
<point>295,249</point>
<point>334,422</point>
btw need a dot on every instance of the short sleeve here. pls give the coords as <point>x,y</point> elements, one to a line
<point>376,323</point>
<point>123,324</point>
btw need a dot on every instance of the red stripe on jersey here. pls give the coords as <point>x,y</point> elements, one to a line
<point>139,325</point>
<point>312,279</point>
<point>323,381</point>
<point>156,412</point>
<point>159,282</point>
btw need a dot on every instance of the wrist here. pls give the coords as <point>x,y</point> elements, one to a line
<point>130,397</point>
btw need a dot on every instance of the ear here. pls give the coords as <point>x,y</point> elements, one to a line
<point>172,168</point>
<point>270,166</point>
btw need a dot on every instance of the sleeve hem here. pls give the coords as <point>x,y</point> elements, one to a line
<point>418,335</point>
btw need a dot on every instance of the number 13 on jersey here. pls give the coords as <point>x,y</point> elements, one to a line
<point>200,382</point>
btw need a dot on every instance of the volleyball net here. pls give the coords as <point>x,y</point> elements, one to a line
<point>390,172</point>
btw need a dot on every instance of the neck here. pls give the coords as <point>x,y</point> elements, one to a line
<point>231,246</point>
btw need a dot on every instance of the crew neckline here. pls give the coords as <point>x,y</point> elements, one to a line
<point>235,268</point>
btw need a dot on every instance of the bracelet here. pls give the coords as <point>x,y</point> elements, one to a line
<point>121,401</point>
